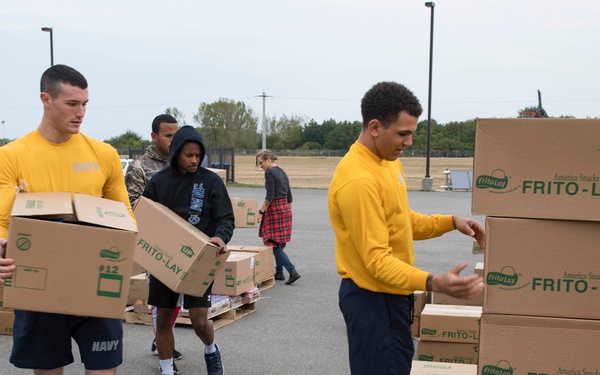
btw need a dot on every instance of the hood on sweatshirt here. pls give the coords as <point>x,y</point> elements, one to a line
<point>183,135</point>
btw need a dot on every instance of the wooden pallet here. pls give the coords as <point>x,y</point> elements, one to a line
<point>219,321</point>
<point>266,284</point>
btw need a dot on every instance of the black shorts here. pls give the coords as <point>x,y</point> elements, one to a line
<point>161,295</point>
<point>43,341</point>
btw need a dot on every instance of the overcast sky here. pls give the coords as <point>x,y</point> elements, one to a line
<point>313,58</point>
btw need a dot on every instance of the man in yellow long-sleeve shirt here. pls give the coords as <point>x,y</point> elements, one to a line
<point>56,157</point>
<point>375,228</point>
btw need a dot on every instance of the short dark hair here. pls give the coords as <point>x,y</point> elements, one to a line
<point>384,102</point>
<point>160,119</point>
<point>57,74</point>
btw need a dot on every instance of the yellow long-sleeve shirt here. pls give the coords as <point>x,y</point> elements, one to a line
<point>80,165</point>
<point>374,225</point>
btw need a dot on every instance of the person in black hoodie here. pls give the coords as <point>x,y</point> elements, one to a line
<point>200,197</point>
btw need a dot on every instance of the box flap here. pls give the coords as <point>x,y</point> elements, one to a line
<point>183,224</point>
<point>103,212</point>
<point>461,310</point>
<point>44,206</point>
<point>540,322</point>
<point>236,256</point>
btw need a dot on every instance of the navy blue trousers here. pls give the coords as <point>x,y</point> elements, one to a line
<point>378,327</point>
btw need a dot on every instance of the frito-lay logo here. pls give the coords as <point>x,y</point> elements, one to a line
<point>503,277</point>
<point>429,331</point>
<point>187,251</point>
<point>497,180</point>
<point>497,370</point>
<point>112,255</point>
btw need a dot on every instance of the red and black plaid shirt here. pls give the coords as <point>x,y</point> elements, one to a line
<point>276,223</point>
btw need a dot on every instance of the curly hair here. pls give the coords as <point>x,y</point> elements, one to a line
<point>384,102</point>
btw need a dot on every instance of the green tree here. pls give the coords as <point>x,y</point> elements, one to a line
<point>312,132</point>
<point>420,136</point>
<point>228,123</point>
<point>343,135</point>
<point>285,131</point>
<point>128,139</point>
<point>175,112</point>
<point>456,136</point>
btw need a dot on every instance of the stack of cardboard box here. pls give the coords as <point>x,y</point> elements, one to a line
<point>537,181</point>
<point>449,333</point>
<point>456,316</point>
<point>421,298</point>
<point>7,316</point>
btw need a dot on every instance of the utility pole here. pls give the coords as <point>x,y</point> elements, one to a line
<point>264,120</point>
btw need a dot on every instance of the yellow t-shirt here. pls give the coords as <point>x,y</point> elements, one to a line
<point>80,165</point>
<point>374,225</point>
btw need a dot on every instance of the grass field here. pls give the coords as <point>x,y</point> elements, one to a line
<point>316,172</point>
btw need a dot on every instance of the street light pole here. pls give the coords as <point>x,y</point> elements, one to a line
<point>427,184</point>
<point>3,138</point>
<point>264,121</point>
<point>49,29</point>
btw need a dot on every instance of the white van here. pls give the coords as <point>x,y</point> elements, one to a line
<point>125,164</point>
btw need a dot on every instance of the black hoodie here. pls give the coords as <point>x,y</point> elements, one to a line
<point>200,197</point>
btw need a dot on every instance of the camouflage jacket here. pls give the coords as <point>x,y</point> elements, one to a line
<point>141,170</point>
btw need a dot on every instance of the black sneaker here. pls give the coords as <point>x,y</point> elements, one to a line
<point>214,365</point>
<point>279,276</point>
<point>176,355</point>
<point>153,347</point>
<point>293,277</point>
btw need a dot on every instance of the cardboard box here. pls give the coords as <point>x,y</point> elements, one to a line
<point>173,250</point>
<point>512,344</point>
<point>220,172</point>
<point>264,266</point>
<point>475,249</point>
<point>237,275</point>
<point>542,268</point>
<point>479,269</point>
<point>450,323</point>
<point>522,170</point>
<point>236,301</point>
<point>245,211</point>
<point>137,269</point>
<point>422,298</point>
<point>436,368</point>
<point>73,255</point>
<point>449,352</point>
<point>415,326</point>
<point>138,288</point>
<point>7,320</point>
<point>444,299</point>
<point>141,306</point>
<point>251,296</point>
<point>219,305</point>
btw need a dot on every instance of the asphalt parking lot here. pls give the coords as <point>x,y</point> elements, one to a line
<point>296,329</point>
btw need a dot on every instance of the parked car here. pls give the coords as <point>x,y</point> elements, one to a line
<point>125,164</point>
